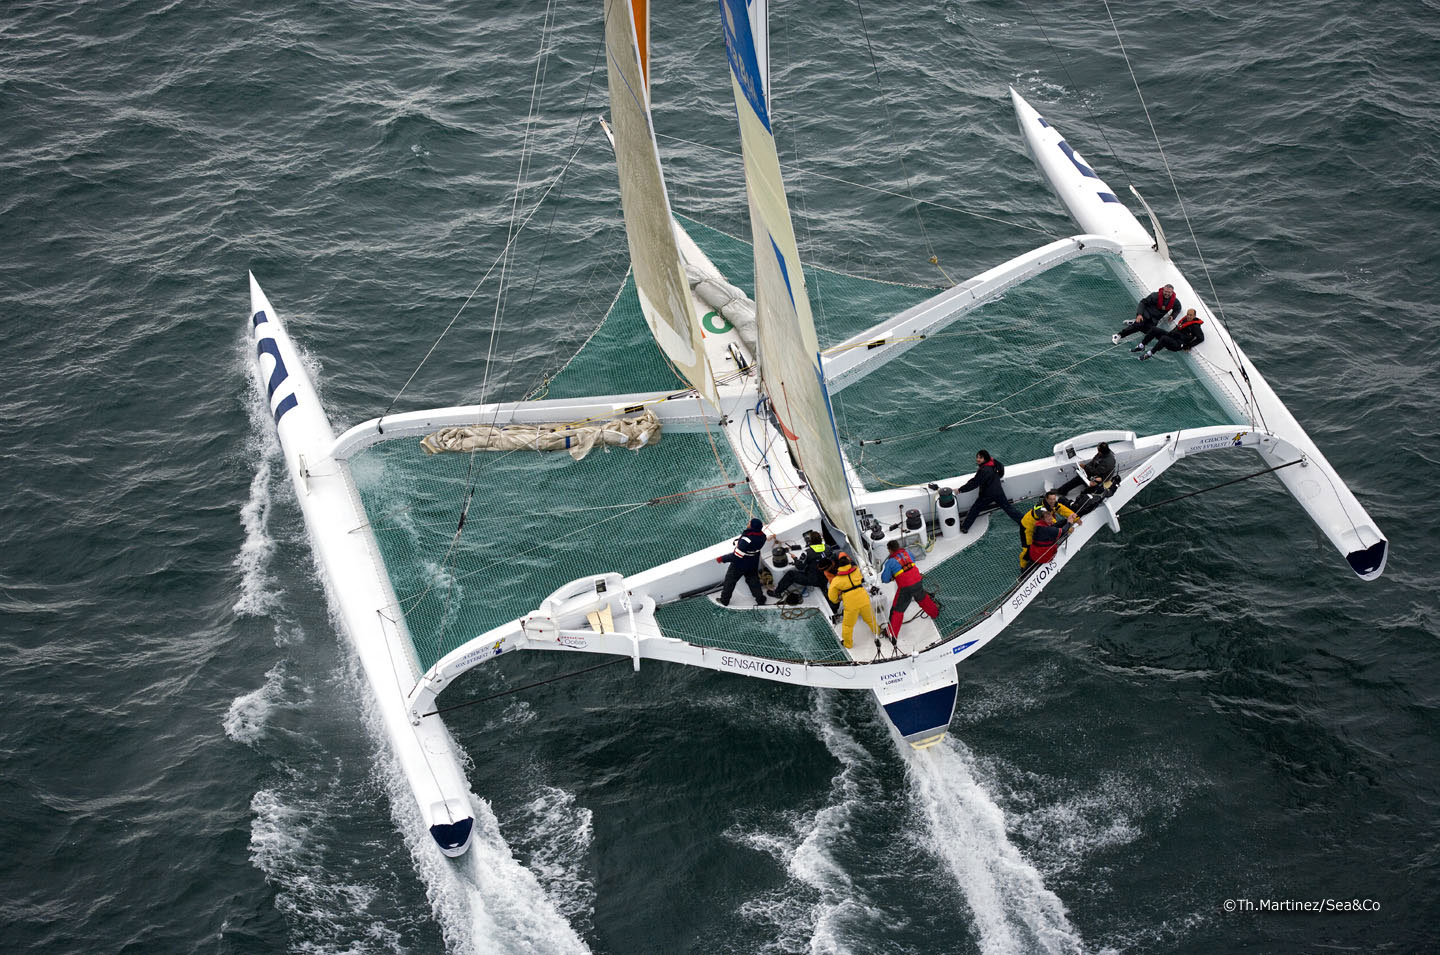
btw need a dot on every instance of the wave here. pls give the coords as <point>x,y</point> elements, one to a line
<point>248,715</point>
<point>821,908</point>
<point>258,591</point>
<point>553,835</point>
<point>329,906</point>
<point>1013,910</point>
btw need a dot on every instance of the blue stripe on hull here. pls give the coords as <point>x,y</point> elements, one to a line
<point>923,714</point>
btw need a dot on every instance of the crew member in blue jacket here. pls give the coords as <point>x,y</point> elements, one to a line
<point>988,473</point>
<point>744,561</point>
<point>900,568</point>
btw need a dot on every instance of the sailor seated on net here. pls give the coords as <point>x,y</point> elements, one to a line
<point>807,571</point>
<point>744,561</point>
<point>988,474</point>
<point>1049,504</point>
<point>848,589</point>
<point>1153,311</point>
<point>900,568</point>
<point>1185,336</point>
<point>1050,530</point>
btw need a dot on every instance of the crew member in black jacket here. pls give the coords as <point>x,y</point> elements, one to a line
<point>744,561</point>
<point>1153,310</point>
<point>1185,336</point>
<point>988,473</point>
<point>1093,473</point>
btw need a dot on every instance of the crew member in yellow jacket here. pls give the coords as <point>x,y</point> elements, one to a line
<point>848,588</point>
<point>1050,501</point>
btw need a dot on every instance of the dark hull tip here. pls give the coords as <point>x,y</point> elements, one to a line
<point>453,838</point>
<point>922,720</point>
<point>1368,563</point>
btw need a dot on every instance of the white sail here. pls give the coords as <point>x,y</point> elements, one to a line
<point>659,269</point>
<point>789,351</point>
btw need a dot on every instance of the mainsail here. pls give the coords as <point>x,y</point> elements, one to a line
<point>659,268</point>
<point>789,358</point>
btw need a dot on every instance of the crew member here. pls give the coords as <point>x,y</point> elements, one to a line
<point>1093,473</point>
<point>988,473</point>
<point>1185,336</point>
<point>900,568</point>
<point>1045,539</point>
<point>848,588</point>
<point>807,571</point>
<point>1051,503</point>
<point>1154,309</point>
<point>744,561</point>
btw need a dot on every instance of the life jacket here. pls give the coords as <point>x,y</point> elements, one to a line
<point>749,544</point>
<point>1164,300</point>
<point>1044,541</point>
<point>1187,322</point>
<point>849,571</point>
<point>909,573</point>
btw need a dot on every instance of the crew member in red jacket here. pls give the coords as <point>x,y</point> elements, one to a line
<point>901,569</point>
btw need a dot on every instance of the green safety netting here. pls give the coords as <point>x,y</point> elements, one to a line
<point>1014,376</point>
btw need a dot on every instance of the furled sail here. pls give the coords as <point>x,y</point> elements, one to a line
<point>659,268</point>
<point>790,364</point>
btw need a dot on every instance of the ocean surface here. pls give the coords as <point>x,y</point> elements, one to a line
<point>1208,707</point>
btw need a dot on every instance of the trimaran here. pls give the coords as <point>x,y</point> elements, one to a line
<point>753,372</point>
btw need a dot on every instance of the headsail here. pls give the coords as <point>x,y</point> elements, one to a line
<point>789,351</point>
<point>659,269</point>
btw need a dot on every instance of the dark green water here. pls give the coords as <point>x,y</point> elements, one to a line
<point>1206,707</point>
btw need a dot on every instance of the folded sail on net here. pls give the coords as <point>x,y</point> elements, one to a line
<point>659,269</point>
<point>789,352</point>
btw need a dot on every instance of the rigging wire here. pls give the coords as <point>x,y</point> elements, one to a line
<point>860,185</point>
<point>1039,381</point>
<point>1225,341</point>
<point>1100,127</point>
<point>1185,214</point>
<point>503,291</point>
<point>890,126</point>
<point>1172,500</point>
<point>528,686</point>
<point>556,180</point>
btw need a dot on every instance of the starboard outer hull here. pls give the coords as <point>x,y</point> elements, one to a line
<point>1228,374</point>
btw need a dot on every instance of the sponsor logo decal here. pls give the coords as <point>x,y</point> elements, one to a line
<point>893,677</point>
<point>715,323</point>
<point>265,345</point>
<point>744,57</point>
<point>484,653</point>
<point>1032,585</point>
<point>1222,441</point>
<point>747,665</point>
<point>964,646</point>
<point>1144,475</point>
<point>573,642</point>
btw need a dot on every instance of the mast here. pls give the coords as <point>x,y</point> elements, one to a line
<point>790,364</point>
<point>649,227</point>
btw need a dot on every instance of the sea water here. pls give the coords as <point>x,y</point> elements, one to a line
<point>1205,713</point>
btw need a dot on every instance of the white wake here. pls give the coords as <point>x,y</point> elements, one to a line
<point>1012,909</point>
<point>485,902</point>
